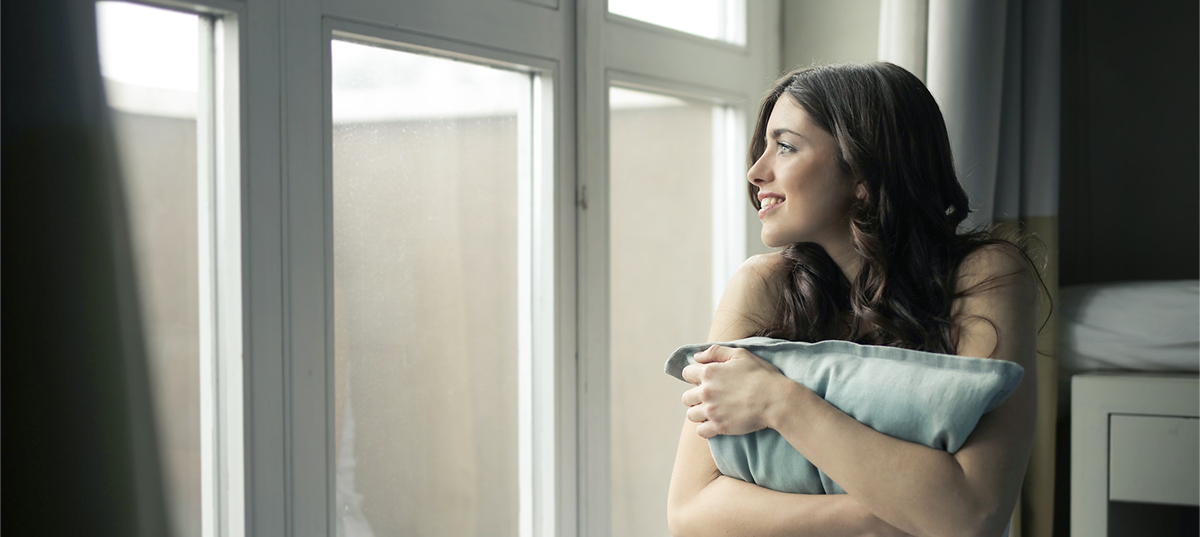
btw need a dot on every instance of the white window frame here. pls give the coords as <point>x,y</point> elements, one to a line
<point>277,66</point>
<point>444,29</point>
<point>536,252</point>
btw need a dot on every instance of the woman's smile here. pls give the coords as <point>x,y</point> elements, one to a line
<point>768,201</point>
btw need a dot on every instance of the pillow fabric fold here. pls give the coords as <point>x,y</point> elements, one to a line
<point>922,397</point>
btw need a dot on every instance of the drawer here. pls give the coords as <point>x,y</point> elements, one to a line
<point>1154,459</point>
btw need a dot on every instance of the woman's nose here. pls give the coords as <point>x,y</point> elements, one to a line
<point>758,172</point>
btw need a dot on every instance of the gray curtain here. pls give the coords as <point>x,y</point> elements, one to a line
<point>994,68</point>
<point>79,453</point>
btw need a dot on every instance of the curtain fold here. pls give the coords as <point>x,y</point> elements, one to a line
<point>79,456</point>
<point>994,68</point>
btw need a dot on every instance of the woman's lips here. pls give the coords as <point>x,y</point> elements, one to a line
<point>767,208</point>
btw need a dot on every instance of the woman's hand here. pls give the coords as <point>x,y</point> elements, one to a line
<point>736,392</point>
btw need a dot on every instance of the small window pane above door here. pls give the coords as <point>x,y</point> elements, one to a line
<point>722,20</point>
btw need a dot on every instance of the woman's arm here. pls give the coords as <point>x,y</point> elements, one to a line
<point>927,491</point>
<point>702,502</point>
<point>920,490</point>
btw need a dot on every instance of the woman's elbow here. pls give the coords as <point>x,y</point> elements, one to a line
<point>978,523</point>
<point>681,514</point>
<point>675,524</point>
<point>994,524</point>
<point>993,516</point>
<point>679,521</point>
<point>960,513</point>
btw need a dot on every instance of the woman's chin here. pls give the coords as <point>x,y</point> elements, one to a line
<point>772,242</point>
<point>776,240</point>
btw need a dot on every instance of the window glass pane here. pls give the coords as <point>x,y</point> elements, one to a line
<point>661,183</point>
<point>150,63</point>
<point>724,20</point>
<point>426,179</point>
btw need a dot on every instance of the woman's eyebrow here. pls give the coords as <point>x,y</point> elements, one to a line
<point>775,133</point>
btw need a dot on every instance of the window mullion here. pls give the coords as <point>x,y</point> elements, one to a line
<point>227,161</point>
<point>210,430</point>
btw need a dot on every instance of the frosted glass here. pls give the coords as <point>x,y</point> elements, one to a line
<point>660,177</point>
<point>715,19</point>
<point>425,234</point>
<point>152,53</point>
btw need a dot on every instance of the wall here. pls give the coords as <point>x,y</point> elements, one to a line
<point>1129,190</point>
<point>822,32</point>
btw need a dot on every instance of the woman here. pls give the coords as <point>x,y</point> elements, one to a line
<point>851,171</point>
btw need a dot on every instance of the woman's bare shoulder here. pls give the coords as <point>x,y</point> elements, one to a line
<point>751,299</point>
<point>992,262</point>
<point>998,288</point>
<point>769,263</point>
<point>761,276</point>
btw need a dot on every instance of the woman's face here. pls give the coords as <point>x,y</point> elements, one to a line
<point>805,196</point>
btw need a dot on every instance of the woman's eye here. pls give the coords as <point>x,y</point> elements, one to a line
<point>785,148</point>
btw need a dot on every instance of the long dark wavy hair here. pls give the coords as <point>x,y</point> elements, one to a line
<point>889,135</point>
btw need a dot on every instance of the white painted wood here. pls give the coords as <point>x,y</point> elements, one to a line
<point>265,426</point>
<point>552,4</point>
<point>220,255</point>
<point>518,27</point>
<point>674,34</point>
<point>1094,398</point>
<point>213,7</point>
<point>206,179</point>
<point>707,66</point>
<point>592,381</point>
<point>547,430</point>
<point>375,35</point>
<point>560,481</point>
<point>1154,459</point>
<point>524,284</point>
<point>308,253</point>
<point>541,383</point>
<point>229,272</point>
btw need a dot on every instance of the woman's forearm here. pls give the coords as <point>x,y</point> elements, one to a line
<point>730,506</point>
<point>917,489</point>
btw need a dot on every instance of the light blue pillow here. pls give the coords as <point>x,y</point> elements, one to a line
<point>922,397</point>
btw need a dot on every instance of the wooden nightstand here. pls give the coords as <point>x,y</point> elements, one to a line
<point>1135,437</point>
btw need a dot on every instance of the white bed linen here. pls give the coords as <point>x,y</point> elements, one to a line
<point>1130,326</point>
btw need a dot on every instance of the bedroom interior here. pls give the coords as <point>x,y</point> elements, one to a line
<point>1104,166</point>
<point>1127,249</point>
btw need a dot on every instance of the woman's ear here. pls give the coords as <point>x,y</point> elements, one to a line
<point>860,190</point>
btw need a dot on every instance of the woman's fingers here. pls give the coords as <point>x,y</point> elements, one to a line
<point>735,382</point>
<point>715,353</point>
